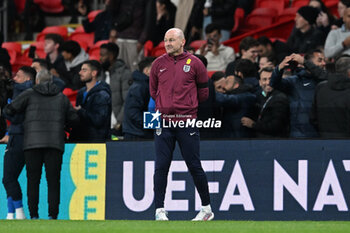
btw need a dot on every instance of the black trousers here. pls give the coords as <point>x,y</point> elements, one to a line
<point>188,140</point>
<point>13,165</point>
<point>34,159</point>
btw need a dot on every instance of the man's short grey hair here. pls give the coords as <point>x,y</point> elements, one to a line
<point>342,66</point>
<point>43,76</point>
<point>178,31</point>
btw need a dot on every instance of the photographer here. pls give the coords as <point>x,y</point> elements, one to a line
<point>217,55</point>
<point>299,88</point>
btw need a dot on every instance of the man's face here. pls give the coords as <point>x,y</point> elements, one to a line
<point>50,46</point>
<point>113,36</point>
<point>341,9</point>
<point>173,43</point>
<point>66,56</point>
<point>21,77</point>
<point>214,36</point>
<point>264,81</point>
<point>85,73</point>
<point>263,50</point>
<point>319,60</point>
<point>346,18</point>
<point>220,85</point>
<point>104,57</point>
<point>300,22</point>
<point>251,53</point>
<point>36,66</point>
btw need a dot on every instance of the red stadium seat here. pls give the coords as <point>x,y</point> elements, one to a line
<point>279,5</point>
<point>39,49</point>
<point>197,44</point>
<point>71,94</point>
<point>50,6</point>
<point>13,56</point>
<point>210,73</point>
<point>19,62</point>
<point>15,46</point>
<point>92,15</point>
<point>147,48</point>
<point>20,4</point>
<point>79,29</point>
<point>61,30</point>
<point>158,50</point>
<point>238,19</point>
<point>84,38</point>
<point>332,6</point>
<point>299,3</point>
<point>288,13</point>
<point>260,17</point>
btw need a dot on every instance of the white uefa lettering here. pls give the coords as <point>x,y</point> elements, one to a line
<point>175,185</point>
<point>128,196</point>
<point>237,180</point>
<point>346,164</point>
<point>209,166</point>
<point>283,180</point>
<point>330,180</point>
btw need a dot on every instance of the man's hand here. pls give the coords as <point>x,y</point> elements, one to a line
<point>77,107</point>
<point>54,72</point>
<point>5,139</point>
<point>214,49</point>
<point>203,49</point>
<point>298,58</point>
<point>247,122</point>
<point>284,63</point>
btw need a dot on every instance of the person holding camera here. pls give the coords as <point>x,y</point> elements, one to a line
<point>300,89</point>
<point>217,55</point>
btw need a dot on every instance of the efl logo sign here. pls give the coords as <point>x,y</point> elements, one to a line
<point>151,120</point>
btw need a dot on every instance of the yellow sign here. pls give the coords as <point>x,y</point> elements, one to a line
<point>88,171</point>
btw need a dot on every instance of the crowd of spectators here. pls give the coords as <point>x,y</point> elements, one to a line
<point>269,88</point>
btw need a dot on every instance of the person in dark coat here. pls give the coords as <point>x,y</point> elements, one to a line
<point>14,156</point>
<point>101,25</point>
<point>273,110</point>
<point>300,89</point>
<point>46,112</point>
<point>305,36</point>
<point>238,101</point>
<point>137,102</point>
<point>331,106</point>
<point>94,106</point>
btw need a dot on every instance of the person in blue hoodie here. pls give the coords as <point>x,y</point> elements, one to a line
<point>94,106</point>
<point>14,155</point>
<point>136,103</point>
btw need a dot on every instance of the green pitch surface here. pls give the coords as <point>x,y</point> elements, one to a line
<point>49,226</point>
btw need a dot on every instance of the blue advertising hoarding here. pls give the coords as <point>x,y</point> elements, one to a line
<point>248,180</point>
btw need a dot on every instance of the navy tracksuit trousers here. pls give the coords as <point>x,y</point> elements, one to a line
<point>13,166</point>
<point>188,140</point>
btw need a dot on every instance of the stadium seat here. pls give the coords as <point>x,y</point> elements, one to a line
<point>19,62</point>
<point>15,46</point>
<point>288,13</point>
<point>85,38</point>
<point>71,94</point>
<point>158,50</point>
<point>92,14</point>
<point>61,30</point>
<point>51,6</point>
<point>260,17</point>
<point>299,3</point>
<point>94,51</point>
<point>39,49</point>
<point>210,73</point>
<point>197,44</point>
<point>238,19</point>
<point>147,48</point>
<point>20,4</point>
<point>13,55</point>
<point>332,6</point>
<point>279,5</point>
